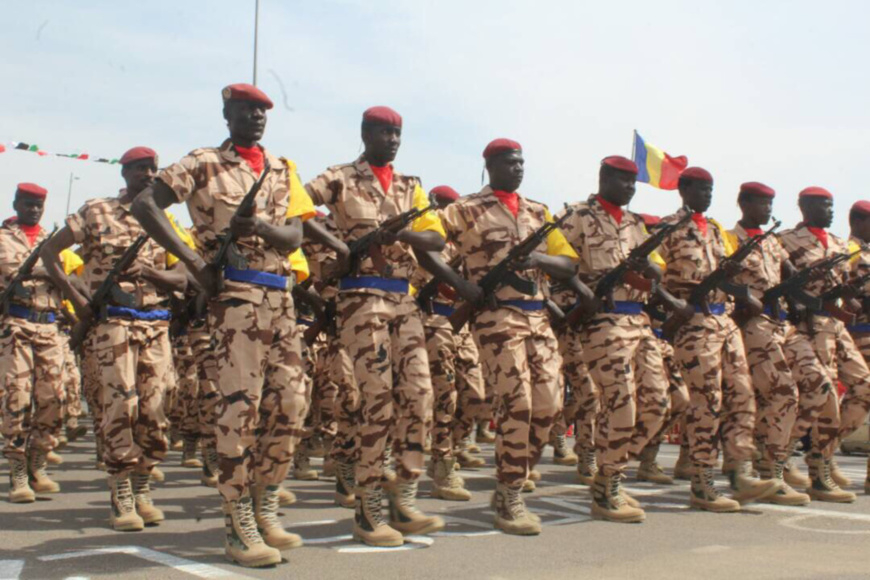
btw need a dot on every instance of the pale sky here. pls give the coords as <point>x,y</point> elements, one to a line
<point>772,91</point>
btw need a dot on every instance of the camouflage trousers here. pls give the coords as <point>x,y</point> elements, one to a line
<point>91,385</point>
<point>713,363</point>
<point>184,413</point>
<point>321,413</point>
<point>862,343</point>
<point>339,371</point>
<point>626,365</point>
<point>385,340</point>
<point>31,361</point>
<point>133,361</point>
<point>453,363</point>
<point>72,384</point>
<point>678,393</point>
<point>208,396</point>
<point>582,403</point>
<point>776,389</point>
<point>520,358</point>
<point>261,414</point>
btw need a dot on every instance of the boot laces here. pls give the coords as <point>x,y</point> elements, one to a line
<point>269,503</point>
<point>124,494</point>
<point>38,463</point>
<point>140,488</point>
<point>19,473</point>
<point>408,496</point>
<point>303,463</point>
<point>375,506</point>
<point>826,477</point>
<point>616,498</point>
<point>247,522</point>
<point>346,472</point>
<point>514,502</point>
<point>211,457</point>
<point>589,460</point>
<point>708,480</point>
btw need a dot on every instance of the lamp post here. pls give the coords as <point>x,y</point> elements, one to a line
<point>69,192</point>
<point>256,31</point>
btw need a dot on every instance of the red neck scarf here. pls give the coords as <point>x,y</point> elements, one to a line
<point>32,232</point>
<point>511,200</point>
<point>820,234</point>
<point>752,232</point>
<point>253,156</point>
<point>614,210</point>
<point>701,222</point>
<point>384,175</point>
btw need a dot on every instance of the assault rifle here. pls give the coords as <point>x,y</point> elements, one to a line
<point>228,253</point>
<point>366,246</point>
<point>325,321</point>
<point>793,286</point>
<point>426,295</point>
<point>16,288</point>
<point>109,290</point>
<point>503,272</point>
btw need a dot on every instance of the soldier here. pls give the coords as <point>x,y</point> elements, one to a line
<point>31,353</point>
<point>619,348</point>
<point>834,348</point>
<point>709,348</point>
<point>518,349</point>
<point>765,336</point>
<point>380,325</point>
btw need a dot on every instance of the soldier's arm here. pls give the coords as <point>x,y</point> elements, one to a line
<point>171,280</point>
<point>432,262</point>
<point>427,241</point>
<point>556,267</point>
<point>285,238</point>
<point>320,234</point>
<point>148,209</point>
<point>50,255</point>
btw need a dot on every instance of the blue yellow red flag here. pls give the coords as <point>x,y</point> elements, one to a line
<point>655,166</point>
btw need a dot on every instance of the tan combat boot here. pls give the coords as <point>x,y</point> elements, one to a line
<point>446,483</point>
<point>369,526</point>
<point>329,467</point>
<point>562,453</point>
<point>470,445</point>
<point>243,543</point>
<point>157,475</point>
<point>268,524</point>
<point>74,431</point>
<point>511,514</point>
<point>746,488</point>
<point>587,467</point>
<point>53,458</point>
<point>786,495</point>
<point>405,516</point>
<point>285,496</point>
<point>345,482</point>
<point>838,476</point>
<point>823,487</point>
<point>188,454</point>
<point>388,474</point>
<point>40,482</point>
<point>145,507</point>
<point>792,474</point>
<point>466,460</point>
<point>62,441</point>
<point>484,435</point>
<point>534,475</point>
<point>649,469</point>
<point>19,483</point>
<point>683,468</point>
<point>704,495</point>
<point>529,486</point>
<point>302,469</point>
<point>609,504</point>
<point>209,476</point>
<point>123,516</point>
<point>315,446</point>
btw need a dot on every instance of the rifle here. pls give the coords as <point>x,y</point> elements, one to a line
<point>228,253</point>
<point>324,321</point>
<point>16,288</point>
<point>625,270</point>
<point>503,272</point>
<point>107,290</point>
<point>718,279</point>
<point>793,286</point>
<point>829,299</point>
<point>426,295</point>
<point>303,295</point>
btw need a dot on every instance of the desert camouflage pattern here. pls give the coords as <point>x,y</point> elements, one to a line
<point>91,386</point>
<point>321,419</point>
<point>678,392</point>
<point>474,403</point>
<point>185,412</point>
<point>202,345</point>
<point>72,384</point>
<point>345,448</point>
<point>14,249</point>
<point>582,402</point>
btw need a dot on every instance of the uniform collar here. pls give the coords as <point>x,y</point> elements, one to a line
<point>229,154</point>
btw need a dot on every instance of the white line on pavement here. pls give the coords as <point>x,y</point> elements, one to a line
<point>180,564</point>
<point>11,569</point>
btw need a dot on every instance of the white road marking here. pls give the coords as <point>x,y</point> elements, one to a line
<point>411,543</point>
<point>329,540</point>
<point>805,511</point>
<point>11,569</point>
<point>180,564</point>
<point>793,523</point>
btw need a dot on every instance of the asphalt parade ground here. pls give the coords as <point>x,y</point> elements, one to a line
<point>67,536</point>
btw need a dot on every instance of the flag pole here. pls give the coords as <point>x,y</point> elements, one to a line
<point>256,31</point>
<point>633,144</point>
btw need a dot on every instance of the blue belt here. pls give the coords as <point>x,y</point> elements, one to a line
<point>304,322</point>
<point>658,332</point>
<point>860,327</point>
<point>527,305</point>
<point>768,311</point>
<point>717,308</point>
<point>122,312</point>
<point>397,285</point>
<point>257,278</point>
<point>31,315</point>
<point>442,309</point>
<point>622,307</point>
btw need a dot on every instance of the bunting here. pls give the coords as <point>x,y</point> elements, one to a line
<point>21,146</point>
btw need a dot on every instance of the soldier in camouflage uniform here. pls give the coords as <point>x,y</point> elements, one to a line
<point>31,354</point>
<point>251,313</point>
<point>380,325</point>
<point>832,345</point>
<point>129,345</point>
<point>518,349</point>
<point>709,348</point>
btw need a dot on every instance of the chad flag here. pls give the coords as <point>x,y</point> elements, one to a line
<point>655,166</point>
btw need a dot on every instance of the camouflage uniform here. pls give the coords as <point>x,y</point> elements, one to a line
<point>72,381</point>
<point>678,392</point>
<point>518,350</point>
<point>31,355</point>
<point>619,348</point>
<point>583,404</point>
<point>185,413</point>
<point>257,352</point>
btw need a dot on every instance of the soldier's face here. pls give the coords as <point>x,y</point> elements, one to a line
<point>757,209</point>
<point>697,195</point>
<point>382,143</point>
<point>617,187</point>
<point>818,212</point>
<point>506,171</point>
<point>861,228</point>
<point>28,209</point>
<point>246,120</point>
<point>139,175</point>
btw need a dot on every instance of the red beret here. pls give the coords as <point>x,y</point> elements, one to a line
<point>246,92</point>
<point>382,116</point>
<point>815,191</point>
<point>650,220</point>
<point>697,173</point>
<point>137,154</point>
<point>620,163</point>
<point>756,188</point>
<point>444,192</point>
<point>32,190</point>
<point>862,206</point>
<point>501,145</point>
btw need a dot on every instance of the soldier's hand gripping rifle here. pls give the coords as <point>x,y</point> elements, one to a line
<point>228,253</point>
<point>628,271</point>
<point>109,290</point>
<point>426,295</point>
<point>16,288</point>
<point>502,271</point>
<point>718,279</point>
<point>847,290</point>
